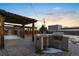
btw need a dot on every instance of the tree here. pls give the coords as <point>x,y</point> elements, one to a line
<point>43,29</point>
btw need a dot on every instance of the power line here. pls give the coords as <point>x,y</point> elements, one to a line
<point>34,10</point>
<point>37,14</point>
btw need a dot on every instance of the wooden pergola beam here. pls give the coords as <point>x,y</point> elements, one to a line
<point>15,18</point>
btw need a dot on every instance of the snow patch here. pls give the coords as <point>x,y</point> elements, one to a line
<point>52,50</point>
<point>11,37</point>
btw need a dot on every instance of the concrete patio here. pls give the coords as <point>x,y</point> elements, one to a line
<point>18,47</point>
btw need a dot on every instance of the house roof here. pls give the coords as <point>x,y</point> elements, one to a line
<point>14,18</point>
<point>71,28</point>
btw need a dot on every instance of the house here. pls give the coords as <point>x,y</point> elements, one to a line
<point>65,30</point>
<point>54,27</point>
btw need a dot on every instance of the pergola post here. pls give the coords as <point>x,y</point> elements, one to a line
<point>23,31</point>
<point>33,31</point>
<point>2,31</point>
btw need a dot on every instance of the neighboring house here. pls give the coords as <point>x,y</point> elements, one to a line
<point>71,30</point>
<point>67,30</point>
<point>54,27</point>
<point>11,30</point>
<point>17,30</point>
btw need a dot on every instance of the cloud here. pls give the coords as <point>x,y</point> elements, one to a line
<point>56,8</point>
<point>52,11</point>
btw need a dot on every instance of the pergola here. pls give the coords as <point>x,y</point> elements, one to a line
<point>16,19</point>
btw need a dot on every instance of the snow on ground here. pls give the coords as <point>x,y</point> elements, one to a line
<point>9,37</point>
<point>52,50</point>
<point>73,44</point>
<point>73,37</point>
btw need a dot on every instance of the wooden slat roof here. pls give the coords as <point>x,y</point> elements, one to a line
<point>17,19</point>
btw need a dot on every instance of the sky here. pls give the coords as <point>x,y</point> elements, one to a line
<point>65,14</point>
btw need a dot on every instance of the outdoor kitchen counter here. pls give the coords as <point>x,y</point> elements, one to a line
<point>41,38</point>
<point>46,40</point>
